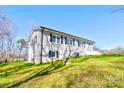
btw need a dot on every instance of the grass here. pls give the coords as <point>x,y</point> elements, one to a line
<point>89,72</point>
<point>16,72</point>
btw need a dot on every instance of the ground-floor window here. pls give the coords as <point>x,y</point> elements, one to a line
<point>53,54</point>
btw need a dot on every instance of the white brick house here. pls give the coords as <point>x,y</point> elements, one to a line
<point>46,44</point>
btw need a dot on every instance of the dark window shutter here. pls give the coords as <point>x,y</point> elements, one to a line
<point>50,54</point>
<point>50,37</point>
<point>65,40</point>
<point>53,54</point>
<point>61,39</point>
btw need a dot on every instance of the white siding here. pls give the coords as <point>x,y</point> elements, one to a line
<point>63,49</point>
<point>35,41</point>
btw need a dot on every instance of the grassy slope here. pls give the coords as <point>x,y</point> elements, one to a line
<point>17,72</point>
<point>97,71</point>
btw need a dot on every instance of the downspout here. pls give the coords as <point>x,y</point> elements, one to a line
<point>42,44</point>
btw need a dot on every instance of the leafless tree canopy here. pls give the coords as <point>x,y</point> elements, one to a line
<point>7,36</point>
<point>118,50</point>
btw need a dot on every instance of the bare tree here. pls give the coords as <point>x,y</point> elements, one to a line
<point>118,50</point>
<point>67,54</point>
<point>7,36</point>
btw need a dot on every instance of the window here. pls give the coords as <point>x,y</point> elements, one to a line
<point>68,41</point>
<point>53,54</point>
<point>79,44</point>
<point>53,38</point>
<point>58,39</point>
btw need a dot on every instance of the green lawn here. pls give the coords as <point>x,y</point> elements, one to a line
<point>90,71</point>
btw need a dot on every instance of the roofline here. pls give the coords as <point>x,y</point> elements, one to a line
<point>42,27</point>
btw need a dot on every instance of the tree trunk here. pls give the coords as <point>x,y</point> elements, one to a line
<point>20,53</point>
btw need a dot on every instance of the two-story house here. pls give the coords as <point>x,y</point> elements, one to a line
<point>46,44</point>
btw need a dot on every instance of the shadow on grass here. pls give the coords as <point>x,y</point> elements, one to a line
<point>51,68</point>
<point>6,72</point>
<point>46,71</point>
<point>43,72</point>
<point>3,64</point>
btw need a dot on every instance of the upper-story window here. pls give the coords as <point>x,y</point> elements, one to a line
<point>58,39</point>
<point>53,38</point>
<point>68,41</point>
<point>79,43</point>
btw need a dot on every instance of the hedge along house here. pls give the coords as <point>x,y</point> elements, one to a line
<point>46,45</point>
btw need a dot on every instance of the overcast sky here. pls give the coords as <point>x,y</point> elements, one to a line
<point>96,23</point>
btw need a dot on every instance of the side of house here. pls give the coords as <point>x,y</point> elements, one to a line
<point>46,44</point>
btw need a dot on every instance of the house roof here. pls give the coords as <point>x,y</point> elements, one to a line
<point>59,32</point>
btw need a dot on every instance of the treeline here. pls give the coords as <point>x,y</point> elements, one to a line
<point>116,51</point>
<point>10,49</point>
